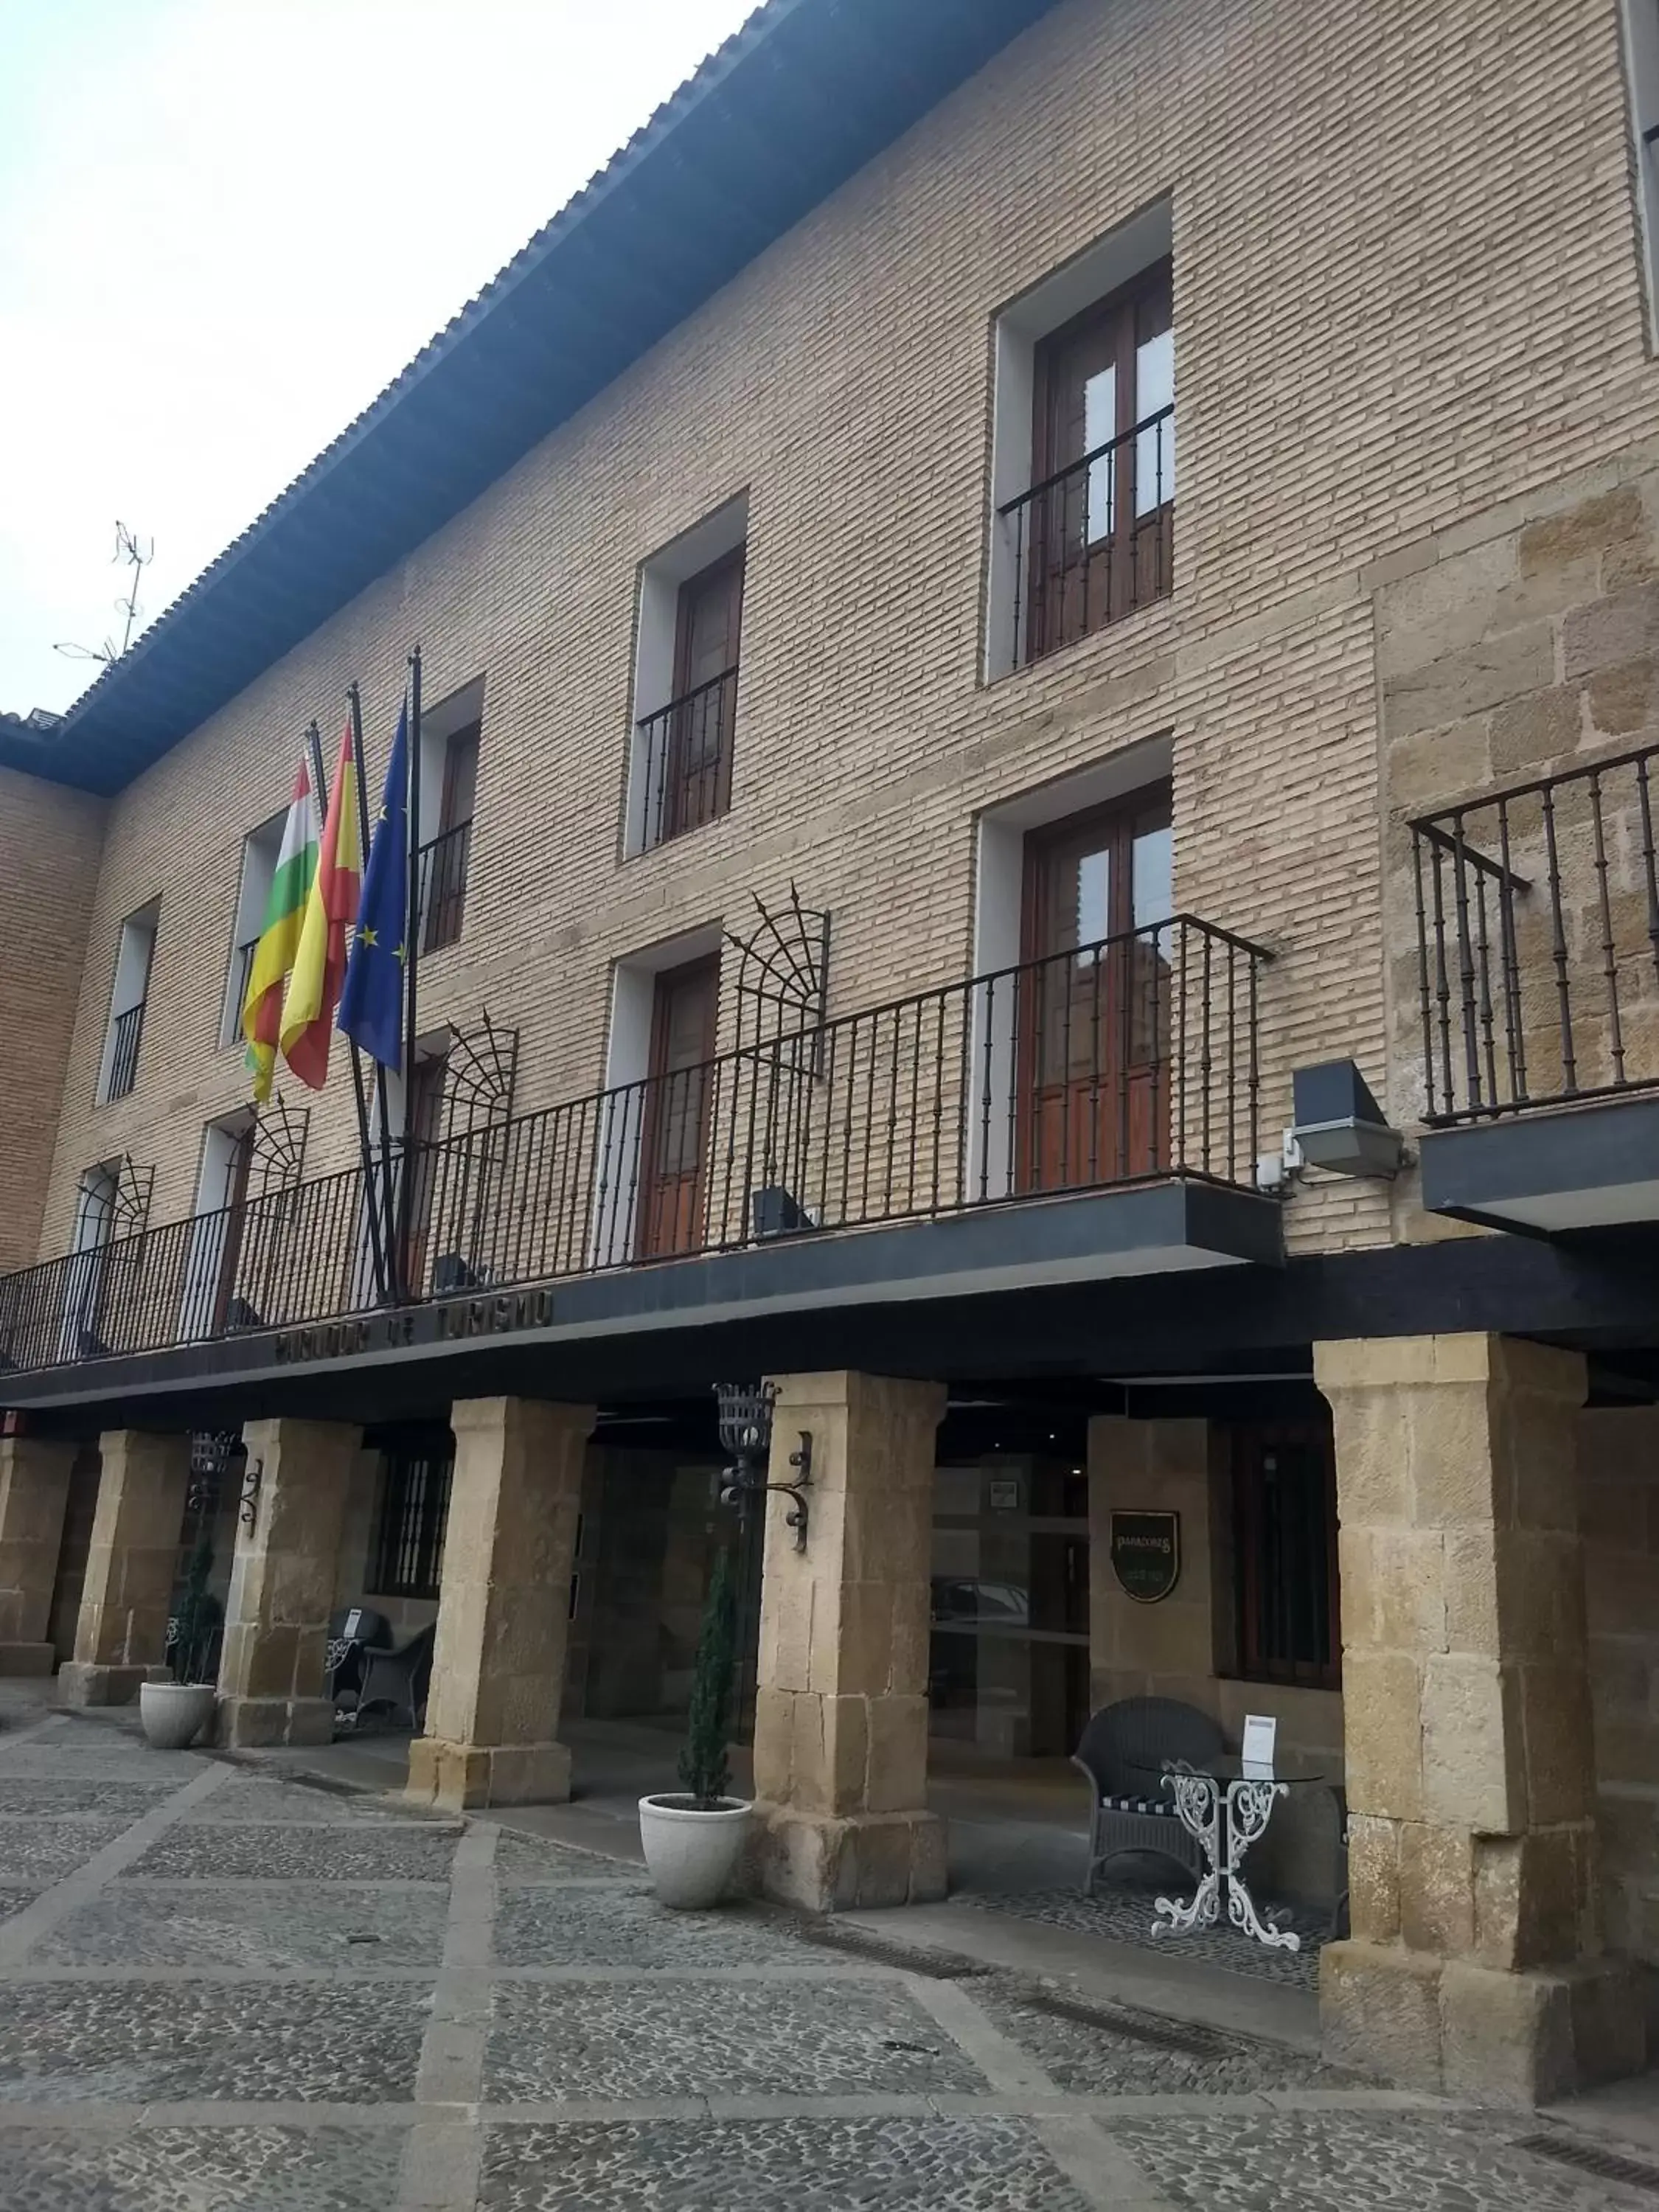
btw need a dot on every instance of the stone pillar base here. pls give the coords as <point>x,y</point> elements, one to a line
<point>82,1682</point>
<point>825,1864</point>
<point>1471,2030</point>
<point>466,1777</point>
<point>27,1658</point>
<point>258,1724</point>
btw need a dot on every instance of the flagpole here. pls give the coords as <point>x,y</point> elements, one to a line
<point>411,976</point>
<point>319,782</point>
<point>377,1243</point>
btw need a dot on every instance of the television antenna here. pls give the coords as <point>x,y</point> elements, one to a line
<point>130,549</point>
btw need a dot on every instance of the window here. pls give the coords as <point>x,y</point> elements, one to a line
<point>685,681</point>
<point>1284,1538</point>
<point>449,785</point>
<point>407,1556</point>
<point>1642,57</point>
<point>137,950</point>
<point>260,850</point>
<point>1083,457</point>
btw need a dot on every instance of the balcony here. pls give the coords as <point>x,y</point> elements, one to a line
<point>440,875</point>
<point>1537,915</point>
<point>684,753</point>
<point>1092,542</point>
<point>127,1032</point>
<point>1093,1098</point>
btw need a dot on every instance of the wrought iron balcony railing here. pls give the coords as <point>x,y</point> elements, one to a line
<point>684,757</point>
<point>441,873</point>
<point>127,1032</point>
<point>1094,540</point>
<point>1537,942</point>
<point>1122,1062</point>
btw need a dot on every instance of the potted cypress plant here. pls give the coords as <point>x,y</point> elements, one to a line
<point>173,1714</point>
<point>694,1838</point>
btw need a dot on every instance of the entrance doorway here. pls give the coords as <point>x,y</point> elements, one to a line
<point>1008,1660</point>
<point>674,1139</point>
<point>1093,1017</point>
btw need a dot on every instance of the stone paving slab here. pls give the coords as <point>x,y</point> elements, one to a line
<point>37,1761</point>
<point>285,1851</point>
<point>805,2165</point>
<point>521,1858</point>
<point>43,1797</point>
<point>611,1925</point>
<point>258,1929</point>
<point>46,1850</point>
<point>1089,2059</point>
<point>678,2038</point>
<point>136,2042</point>
<point>14,1896</point>
<point>1125,1916</point>
<point>170,2169</point>
<point>260,1798</point>
<point>1399,2161</point>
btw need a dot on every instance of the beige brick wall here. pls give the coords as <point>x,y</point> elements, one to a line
<point>49,847</point>
<point>1405,289</point>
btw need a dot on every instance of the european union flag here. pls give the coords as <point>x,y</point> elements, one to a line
<point>372,1001</point>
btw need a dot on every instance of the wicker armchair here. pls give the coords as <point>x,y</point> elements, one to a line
<point>1121,1751</point>
<point>399,1678</point>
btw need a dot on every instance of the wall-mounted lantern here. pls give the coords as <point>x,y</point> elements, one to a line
<point>746,1425</point>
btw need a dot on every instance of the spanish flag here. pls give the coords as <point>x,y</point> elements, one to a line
<point>279,937</point>
<point>313,988</point>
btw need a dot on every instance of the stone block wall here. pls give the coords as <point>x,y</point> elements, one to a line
<point>1515,649</point>
<point>1618,1505</point>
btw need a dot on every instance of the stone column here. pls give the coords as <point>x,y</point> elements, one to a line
<point>1166,1649</point>
<point>271,1676</point>
<point>840,1720</point>
<point>120,1638</point>
<point>34,1479</point>
<point>1473,1966</point>
<point>498,1667</point>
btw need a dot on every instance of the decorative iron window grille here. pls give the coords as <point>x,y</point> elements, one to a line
<point>1092,542</point>
<point>1285,1556</point>
<point>686,753</point>
<point>442,870</point>
<point>408,1552</point>
<point>125,1036</point>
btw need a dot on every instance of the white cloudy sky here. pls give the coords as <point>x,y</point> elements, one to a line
<point>225,224</point>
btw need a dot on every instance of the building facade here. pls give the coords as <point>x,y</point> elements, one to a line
<point>897,820</point>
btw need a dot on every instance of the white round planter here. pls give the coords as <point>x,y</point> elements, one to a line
<point>175,1713</point>
<point>692,1856</point>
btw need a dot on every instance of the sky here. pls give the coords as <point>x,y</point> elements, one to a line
<point>226,224</point>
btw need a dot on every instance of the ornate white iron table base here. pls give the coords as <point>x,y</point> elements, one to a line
<point>1225,1819</point>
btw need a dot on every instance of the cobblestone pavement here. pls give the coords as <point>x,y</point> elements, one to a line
<point>1123,1913</point>
<point>219,1989</point>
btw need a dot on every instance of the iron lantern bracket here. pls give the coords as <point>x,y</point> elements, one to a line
<point>745,1479</point>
